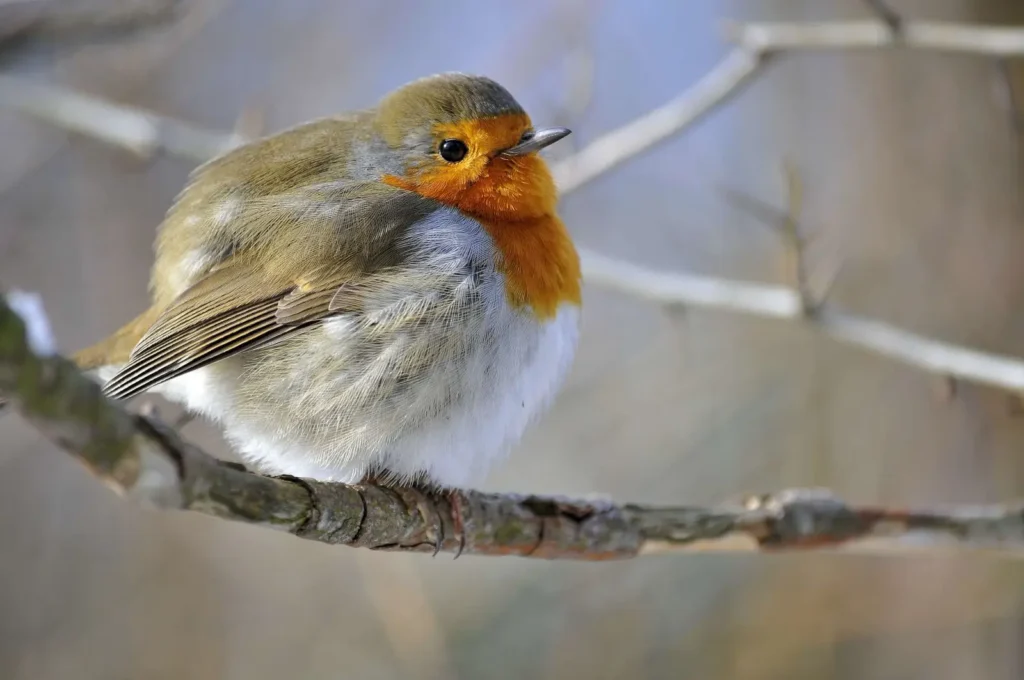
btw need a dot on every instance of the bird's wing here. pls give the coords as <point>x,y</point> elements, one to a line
<point>231,310</point>
<point>253,296</point>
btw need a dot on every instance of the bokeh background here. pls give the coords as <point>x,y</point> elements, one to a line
<point>912,178</point>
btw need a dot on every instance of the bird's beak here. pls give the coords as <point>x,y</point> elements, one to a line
<point>540,139</point>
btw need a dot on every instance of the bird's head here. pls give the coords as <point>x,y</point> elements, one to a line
<point>465,141</point>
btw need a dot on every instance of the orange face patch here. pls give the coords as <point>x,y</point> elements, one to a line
<point>514,199</point>
<point>506,181</point>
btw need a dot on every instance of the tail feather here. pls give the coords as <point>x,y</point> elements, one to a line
<point>117,348</point>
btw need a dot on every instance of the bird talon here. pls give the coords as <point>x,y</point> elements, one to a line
<point>438,531</point>
<point>427,490</point>
<point>460,528</point>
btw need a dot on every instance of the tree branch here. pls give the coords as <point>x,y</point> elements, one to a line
<point>755,42</point>
<point>143,459</point>
<point>887,14</point>
<point>639,135</point>
<point>779,302</point>
<point>141,132</point>
<point>89,19</point>
<point>934,36</point>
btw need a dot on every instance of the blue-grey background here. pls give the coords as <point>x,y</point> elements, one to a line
<point>912,179</point>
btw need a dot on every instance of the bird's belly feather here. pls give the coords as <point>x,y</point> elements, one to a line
<point>450,423</point>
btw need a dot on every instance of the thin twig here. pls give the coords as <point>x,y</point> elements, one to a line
<point>754,43</point>
<point>779,302</point>
<point>936,36</point>
<point>641,134</point>
<point>141,132</point>
<point>140,458</point>
<point>796,242</point>
<point>1007,94</point>
<point>887,14</point>
<point>82,20</point>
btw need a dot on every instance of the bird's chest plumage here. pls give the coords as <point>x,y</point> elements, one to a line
<point>439,373</point>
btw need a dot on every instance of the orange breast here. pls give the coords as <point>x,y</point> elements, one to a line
<point>540,263</point>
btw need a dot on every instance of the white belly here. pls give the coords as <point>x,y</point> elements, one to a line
<point>503,389</point>
<point>459,448</point>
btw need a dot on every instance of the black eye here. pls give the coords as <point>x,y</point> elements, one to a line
<point>453,150</point>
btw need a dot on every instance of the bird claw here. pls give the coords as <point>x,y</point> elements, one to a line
<point>429,494</point>
<point>460,528</point>
<point>438,531</point>
<point>425,498</point>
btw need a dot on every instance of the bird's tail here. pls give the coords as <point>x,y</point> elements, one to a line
<point>116,349</point>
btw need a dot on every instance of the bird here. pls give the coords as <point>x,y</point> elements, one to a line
<point>387,294</point>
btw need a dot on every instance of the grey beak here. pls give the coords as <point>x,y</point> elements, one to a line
<point>540,139</point>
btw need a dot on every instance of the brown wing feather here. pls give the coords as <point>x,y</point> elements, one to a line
<point>223,314</point>
<point>228,287</point>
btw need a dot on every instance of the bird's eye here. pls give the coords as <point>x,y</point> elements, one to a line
<point>453,150</point>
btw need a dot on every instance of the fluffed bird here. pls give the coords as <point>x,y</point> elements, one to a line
<point>386,294</point>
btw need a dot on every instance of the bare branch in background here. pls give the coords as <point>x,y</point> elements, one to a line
<point>656,126</point>
<point>140,458</point>
<point>887,14</point>
<point>796,242</point>
<point>1007,94</point>
<point>934,36</point>
<point>64,18</point>
<point>778,302</point>
<point>174,35</point>
<point>141,132</point>
<point>18,17</point>
<point>755,42</point>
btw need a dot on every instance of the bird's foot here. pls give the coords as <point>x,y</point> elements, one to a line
<point>455,500</point>
<point>429,494</point>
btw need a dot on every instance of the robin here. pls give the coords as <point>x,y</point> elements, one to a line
<point>386,294</point>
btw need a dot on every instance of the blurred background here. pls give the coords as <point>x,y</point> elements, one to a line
<point>912,178</point>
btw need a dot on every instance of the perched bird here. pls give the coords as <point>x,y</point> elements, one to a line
<point>387,294</point>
